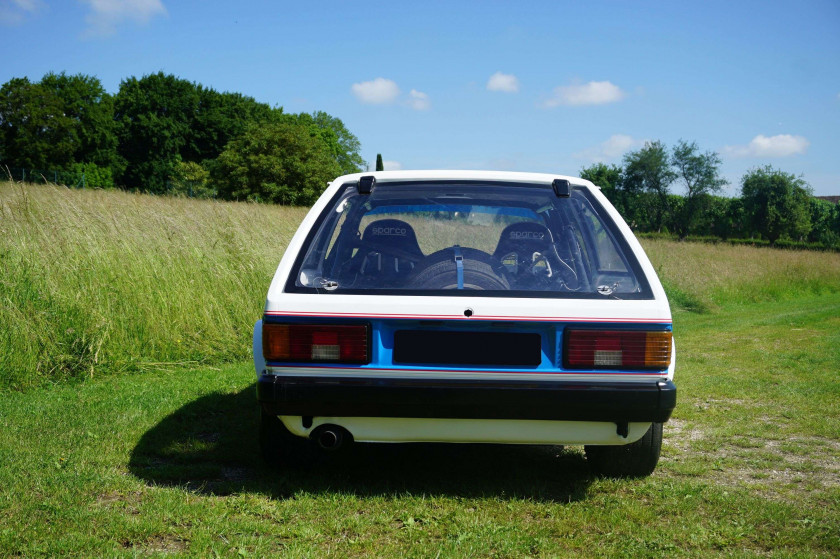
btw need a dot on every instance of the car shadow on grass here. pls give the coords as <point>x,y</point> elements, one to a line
<point>210,446</point>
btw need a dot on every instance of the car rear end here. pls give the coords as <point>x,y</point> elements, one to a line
<point>473,307</point>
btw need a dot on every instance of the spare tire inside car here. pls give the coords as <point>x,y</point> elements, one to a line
<point>440,271</point>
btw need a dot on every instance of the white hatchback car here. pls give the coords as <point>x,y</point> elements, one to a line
<point>466,307</point>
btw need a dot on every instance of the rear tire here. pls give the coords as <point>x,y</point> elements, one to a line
<point>280,448</point>
<point>632,460</point>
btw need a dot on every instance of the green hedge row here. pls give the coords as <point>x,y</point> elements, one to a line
<point>781,243</point>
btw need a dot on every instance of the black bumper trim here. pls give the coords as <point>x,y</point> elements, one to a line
<point>465,399</point>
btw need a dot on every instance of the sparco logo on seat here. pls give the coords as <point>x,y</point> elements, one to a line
<point>396,231</point>
<point>527,235</point>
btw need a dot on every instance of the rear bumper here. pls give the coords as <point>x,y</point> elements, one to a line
<point>420,398</point>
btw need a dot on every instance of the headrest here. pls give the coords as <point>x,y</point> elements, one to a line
<point>525,236</point>
<point>391,233</point>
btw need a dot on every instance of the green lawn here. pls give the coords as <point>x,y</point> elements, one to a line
<point>165,463</point>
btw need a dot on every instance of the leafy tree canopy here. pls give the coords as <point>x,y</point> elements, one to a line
<point>156,134</point>
<point>343,145</point>
<point>700,174</point>
<point>34,129</point>
<point>164,120</point>
<point>648,171</point>
<point>776,203</point>
<point>91,109</point>
<point>219,118</point>
<point>608,177</point>
<point>825,222</point>
<point>279,162</point>
<point>154,115</point>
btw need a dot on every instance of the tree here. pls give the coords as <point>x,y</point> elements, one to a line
<point>219,118</point>
<point>380,166</point>
<point>608,177</point>
<point>776,203</point>
<point>34,131</point>
<point>154,115</point>
<point>164,120</point>
<point>91,110</point>
<point>648,171</point>
<point>700,174</point>
<point>825,222</point>
<point>342,144</point>
<point>192,180</point>
<point>723,217</point>
<point>88,175</point>
<point>283,162</point>
<point>347,156</point>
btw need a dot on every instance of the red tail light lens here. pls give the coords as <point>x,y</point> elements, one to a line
<point>616,349</point>
<point>316,343</point>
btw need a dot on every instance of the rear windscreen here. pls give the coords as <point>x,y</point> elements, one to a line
<point>462,238</point>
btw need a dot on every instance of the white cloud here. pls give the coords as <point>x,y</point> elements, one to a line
<point>382,91</point>
<point>503,82</point>
<point>13,12</point>
<point>782,145</point>
<point>592,93</point>
<point>614,147</point>
<point>392,165</point>
<point>377,92</point>
<point>418,100</point>
<point>106,15</point>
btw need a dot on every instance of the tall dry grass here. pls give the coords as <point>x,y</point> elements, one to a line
<point>700,276</point>
<point>109,281</point>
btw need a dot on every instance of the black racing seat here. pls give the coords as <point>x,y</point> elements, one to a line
<point>529,256</point>
<point>521,244</point>
<point>388,252</point>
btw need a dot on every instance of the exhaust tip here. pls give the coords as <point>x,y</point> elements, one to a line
<point>331,437</point>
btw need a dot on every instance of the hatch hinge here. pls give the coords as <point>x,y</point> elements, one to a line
<point>365,184</point>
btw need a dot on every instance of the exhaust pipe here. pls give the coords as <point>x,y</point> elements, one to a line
<point>331,437</point>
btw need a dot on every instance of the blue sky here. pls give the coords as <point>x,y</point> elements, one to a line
<point>527,86</point>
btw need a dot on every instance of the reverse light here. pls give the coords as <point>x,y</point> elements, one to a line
<point>316,343</point>
<point>616,349</point>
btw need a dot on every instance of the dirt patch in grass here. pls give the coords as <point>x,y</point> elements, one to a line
<point>680,435</point>
<point>164,544</point>
<point>117,500</point>
<point>777,468</point>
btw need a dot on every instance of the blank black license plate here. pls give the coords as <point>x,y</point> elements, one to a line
<point>467,348</point>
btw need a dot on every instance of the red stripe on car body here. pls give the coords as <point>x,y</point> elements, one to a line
<point>473,317</point>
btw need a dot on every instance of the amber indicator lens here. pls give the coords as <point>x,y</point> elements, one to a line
<point>617,349</point>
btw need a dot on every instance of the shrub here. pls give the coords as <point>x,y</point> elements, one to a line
<point>192,180</point>
<point>88,175</point>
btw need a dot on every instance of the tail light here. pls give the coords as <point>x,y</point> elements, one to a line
<point>617,349</point>
<point>316,343</point>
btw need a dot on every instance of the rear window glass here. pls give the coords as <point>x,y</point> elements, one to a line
<point>467,239</point>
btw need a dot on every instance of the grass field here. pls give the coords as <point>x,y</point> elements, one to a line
<point>103,282</point>
<point>163,461</point>
<point>97,282</point>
